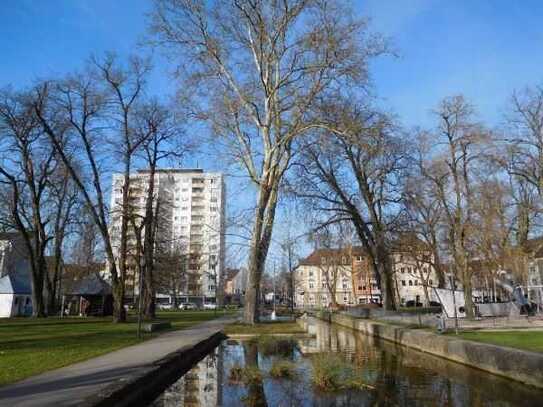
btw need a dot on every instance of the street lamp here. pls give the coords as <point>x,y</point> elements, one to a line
<point>140,288</point>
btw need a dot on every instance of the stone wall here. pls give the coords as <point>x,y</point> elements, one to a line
<point>523,366</point>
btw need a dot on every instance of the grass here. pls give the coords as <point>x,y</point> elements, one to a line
<point>526,340</point>
<point>264,328</point>
<point>245,375</point>
<point>283,369</point>
<point>331,373</point>
<point>272,345</point>
<point>32,346</point>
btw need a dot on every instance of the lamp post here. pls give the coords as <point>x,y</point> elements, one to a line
<point>273,315</point>
<point>140,299</point>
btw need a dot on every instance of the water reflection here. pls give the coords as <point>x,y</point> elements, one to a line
<point>398,376</point>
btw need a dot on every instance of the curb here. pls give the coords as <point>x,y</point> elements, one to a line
<point>515,364</point>
<point>144,387</point>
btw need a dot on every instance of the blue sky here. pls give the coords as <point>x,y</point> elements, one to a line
<point>482,48</point>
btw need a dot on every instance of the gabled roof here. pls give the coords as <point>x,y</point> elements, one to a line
<point>314,259</point>
<point>15,283</point>
<point>92,284</point>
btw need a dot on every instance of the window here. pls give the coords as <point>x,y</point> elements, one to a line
<point>430,282</point>
<point>403,269</point>
<point>410,282</point>
<point>310,273</point>
<point>210,287</point>
<point>324,284</point>
<point>416,282</point>
<point>311,285</point>
<point>323,260</point>
<point>403,283</point>
<point>359,287</point>
<point>343,260</point>
<point>213,208</point>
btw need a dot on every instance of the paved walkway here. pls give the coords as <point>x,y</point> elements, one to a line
<point>70,385</point>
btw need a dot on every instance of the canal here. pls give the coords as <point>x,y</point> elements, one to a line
<point>336,367</point>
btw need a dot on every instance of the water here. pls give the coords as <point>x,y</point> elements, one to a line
<point>395,376</point>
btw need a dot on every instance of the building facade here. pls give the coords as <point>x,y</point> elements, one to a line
<point>15,287</point>
<point>190,208</point>
<point>349,274</point>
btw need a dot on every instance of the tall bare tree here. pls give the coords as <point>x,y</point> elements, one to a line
<point>450,164</point>
<point>163,138</point>
<point>261,67</point>
<point>424,213</point>
<point>26,165</point>
<point>351,171</point>
<point>64,201</point>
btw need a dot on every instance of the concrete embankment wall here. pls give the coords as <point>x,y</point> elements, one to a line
<point>143,388</point>
<point>522,366</point>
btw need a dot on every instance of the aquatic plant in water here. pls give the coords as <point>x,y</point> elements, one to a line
<point>284,369</point>
<point>332,373</point>
<point>269,345</point>
<point>245,375</point>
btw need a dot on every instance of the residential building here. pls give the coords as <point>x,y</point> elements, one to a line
<point>15,287</point>
<point>350,274</point>
<point>190,229</point>
<point>235,285</point>
<point>323,277</point>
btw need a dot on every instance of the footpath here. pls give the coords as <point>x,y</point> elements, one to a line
<point>102,380</point>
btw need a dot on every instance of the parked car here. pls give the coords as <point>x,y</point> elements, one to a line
<point>187,306</point>
<point>165,306</point>
<point>210,305</point>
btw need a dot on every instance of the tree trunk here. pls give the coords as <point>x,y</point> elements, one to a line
<point>468,298</point>
<point>119,313</point>
<point>252,292</point>
<point>264,218</point>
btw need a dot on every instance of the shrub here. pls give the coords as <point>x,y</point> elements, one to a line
<point>236,374</point>
<point>245,375</point>
<point>332,373</point>
<point>269,345</point>
<point>283,369</point>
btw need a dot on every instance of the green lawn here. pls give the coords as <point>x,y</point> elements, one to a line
<point>527,340</point>
<point>31,346</point>
<point>264,328</point>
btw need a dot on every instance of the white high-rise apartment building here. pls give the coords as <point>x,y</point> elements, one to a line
<point>191,225</point>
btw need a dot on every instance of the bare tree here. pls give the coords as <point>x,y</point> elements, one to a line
<point>523,156</point>
<point>71,114</point>
<point>163,139</point>
<point>64,200</point>
<point>26,165</point>
<point>526,135</point>
<point>261,67</point>
<point>424,213</point>
<point>336,261</point>
<point>450,164</point>
<point>351,172</point>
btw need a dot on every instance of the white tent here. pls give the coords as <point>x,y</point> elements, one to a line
<point>15,295</point>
